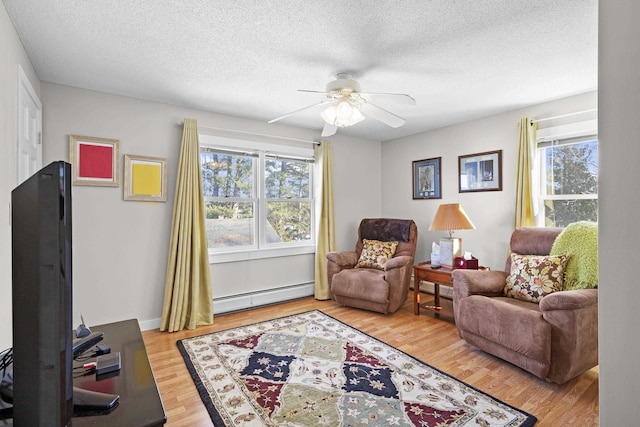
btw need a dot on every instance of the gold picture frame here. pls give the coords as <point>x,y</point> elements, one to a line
<point>94,161</point>
<point>145,178</point>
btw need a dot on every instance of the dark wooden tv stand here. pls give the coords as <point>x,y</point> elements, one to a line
<point>140,403</point>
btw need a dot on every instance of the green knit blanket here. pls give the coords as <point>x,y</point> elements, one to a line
<point>580,241</point>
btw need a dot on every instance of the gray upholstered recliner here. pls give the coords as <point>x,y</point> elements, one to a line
<point>555,339</point>
<point>383,290</point>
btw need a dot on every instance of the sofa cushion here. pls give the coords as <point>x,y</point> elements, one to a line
<point>376,253</point>
<point>534,276</point>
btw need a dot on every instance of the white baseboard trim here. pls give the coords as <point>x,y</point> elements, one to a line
<point>245,301</point>
<point>147,325</point>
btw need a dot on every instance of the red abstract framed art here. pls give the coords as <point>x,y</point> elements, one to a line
<point>94,161</point>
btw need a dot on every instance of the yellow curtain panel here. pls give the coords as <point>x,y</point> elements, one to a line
<point>325,241</point>
<point>188,300</point>
<point>525,209</point>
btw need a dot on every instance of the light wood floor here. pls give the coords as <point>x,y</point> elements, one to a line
<point>425,337</point>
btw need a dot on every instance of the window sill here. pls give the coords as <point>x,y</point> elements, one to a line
<point>248,255</point>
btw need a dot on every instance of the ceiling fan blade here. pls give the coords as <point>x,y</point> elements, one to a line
<point>329,130</point>
<point>396,98</point>
<point>312,91</point>
<point>328,101</point>
<point>381,114</point>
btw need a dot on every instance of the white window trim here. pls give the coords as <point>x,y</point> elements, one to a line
<point>571,130</point>
<point>262,149</point>
<point>578,131</point>
<point>251,254</point>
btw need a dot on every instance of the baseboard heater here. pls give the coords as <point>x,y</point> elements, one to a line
<point>260,298</point>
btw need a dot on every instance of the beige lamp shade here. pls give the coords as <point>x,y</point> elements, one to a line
<point>450,217</point>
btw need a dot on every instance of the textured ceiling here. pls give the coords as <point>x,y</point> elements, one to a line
<point>459,59</point>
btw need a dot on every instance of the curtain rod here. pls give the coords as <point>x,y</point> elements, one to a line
<point>255,134</point>
<point>566,115</point>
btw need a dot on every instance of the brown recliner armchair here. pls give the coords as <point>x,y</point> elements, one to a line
<point>383,290</point>
<point>555,339</point>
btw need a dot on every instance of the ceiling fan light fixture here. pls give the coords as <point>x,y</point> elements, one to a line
<point>348,105</point>
<point>342,114</point>
<point>329,115</point>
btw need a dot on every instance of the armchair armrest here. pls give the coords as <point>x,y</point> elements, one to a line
<point>569,300</point>
<point>346,259</point>
<point>338,261</point>
<point>399,261</point>
<point>478,282</point>
<point>397,271</point>
<point>573,316</point>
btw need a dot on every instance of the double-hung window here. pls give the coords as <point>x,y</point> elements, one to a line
<point>568,180</point>
<point>257,196</point>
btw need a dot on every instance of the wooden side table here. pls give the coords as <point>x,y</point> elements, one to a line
<point>437,276</point>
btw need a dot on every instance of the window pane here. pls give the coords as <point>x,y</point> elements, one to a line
<point>288,222</point>
<point>286,179</point>
<point>572,168</point>
<point>230,224</point>
<point>226,175</point>
<point>560,213</point>
<point>570,174</point>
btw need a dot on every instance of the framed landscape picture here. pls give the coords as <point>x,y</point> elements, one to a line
<point>480,172</point>
<point>427,179</point>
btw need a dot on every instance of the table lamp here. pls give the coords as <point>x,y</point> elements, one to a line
<point>450,217</point>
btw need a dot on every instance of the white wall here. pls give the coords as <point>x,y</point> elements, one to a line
<point>120,247</point>
<point>492,212</point>
<point>357,181</point>
<point>619,321</point>
<point>13,55</point>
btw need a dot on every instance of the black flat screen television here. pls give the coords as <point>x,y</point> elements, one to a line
<point>42,298</point>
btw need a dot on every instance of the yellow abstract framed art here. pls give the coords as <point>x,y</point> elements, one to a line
<point>145,178</point>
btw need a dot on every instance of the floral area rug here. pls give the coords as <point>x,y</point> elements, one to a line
<point>310,369</point>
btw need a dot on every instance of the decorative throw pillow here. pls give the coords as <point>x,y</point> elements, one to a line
<point>376,253</point>
<point>534,276</point>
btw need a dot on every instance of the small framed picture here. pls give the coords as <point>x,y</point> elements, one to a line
<point>94,161</point>
<point>480,172</point>
<point>426,179</point>
<point>145,178</point>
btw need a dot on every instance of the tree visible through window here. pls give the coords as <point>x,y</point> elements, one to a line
<point>287,198</point>
<point>256,200</point>
<point>230,202</point>
<point>569,181</point>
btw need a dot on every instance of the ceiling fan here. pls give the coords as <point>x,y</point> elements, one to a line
<point>347,105</point>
